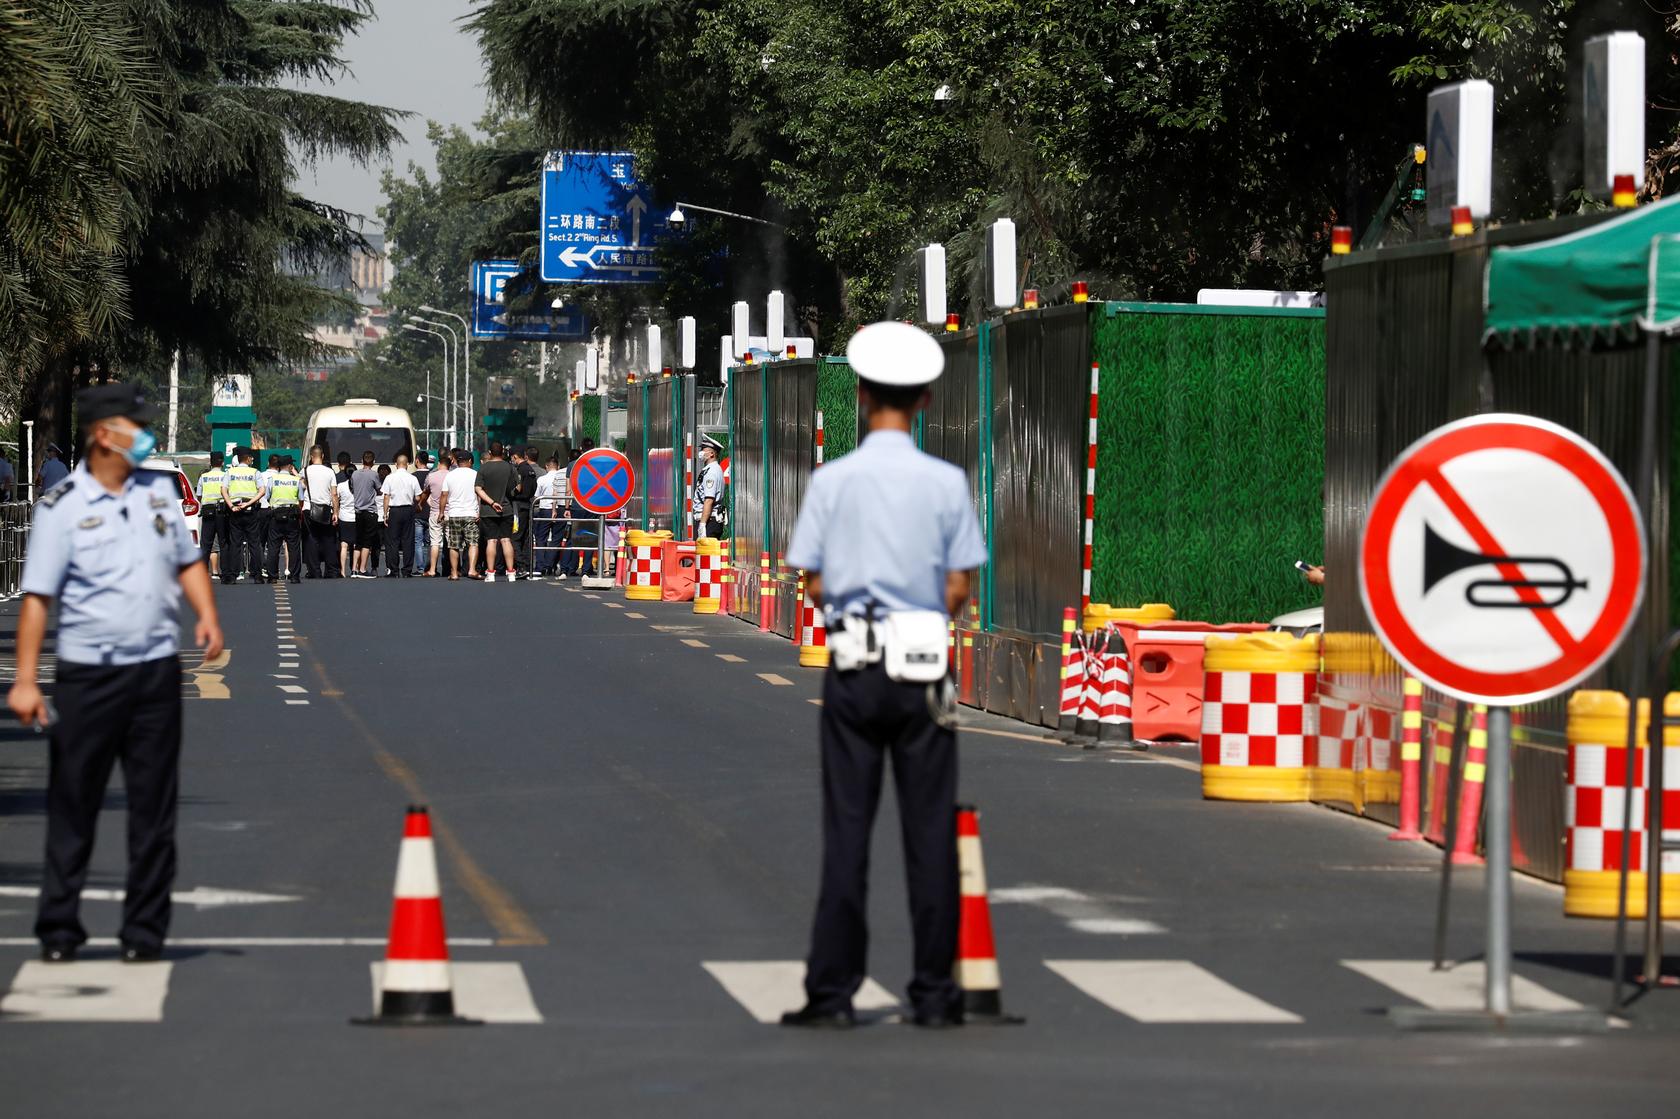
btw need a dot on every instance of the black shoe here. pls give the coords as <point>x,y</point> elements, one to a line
<point>937,1019</point>
<point>58,953</point>
<point>133,954</point>
<point>815,1018</point>
<point>294,579</point>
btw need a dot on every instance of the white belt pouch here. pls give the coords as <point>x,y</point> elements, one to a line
<point>916,644</point>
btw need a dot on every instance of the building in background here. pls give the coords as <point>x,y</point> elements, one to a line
<point>361,275</point>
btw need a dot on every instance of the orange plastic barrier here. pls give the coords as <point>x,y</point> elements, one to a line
<point>677,566</point>
<point>1167,675</point>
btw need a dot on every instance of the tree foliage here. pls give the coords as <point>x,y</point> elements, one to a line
<point>1150,146</point>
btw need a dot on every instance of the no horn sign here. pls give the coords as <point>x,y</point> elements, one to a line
<point>1503,559</point>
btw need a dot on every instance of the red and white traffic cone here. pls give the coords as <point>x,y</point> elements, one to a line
<point>1091,686</point>
<point>976,966</point>
<point>414,986</point>
<point>1073,676</point>
<point>1411,760</point>
<point>1114,723</point>
<point>1470,799</point>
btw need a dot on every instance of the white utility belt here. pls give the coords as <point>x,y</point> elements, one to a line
<point>913,645</point>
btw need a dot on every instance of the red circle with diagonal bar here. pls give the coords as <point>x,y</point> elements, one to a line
<point>1503,559</point>
<point>602,481</point>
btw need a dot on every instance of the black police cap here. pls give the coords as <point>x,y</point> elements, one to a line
<point>102,402</point>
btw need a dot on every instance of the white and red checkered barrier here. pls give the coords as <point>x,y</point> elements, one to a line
<point>1259,716</point>
<point>708,576</point>
<point>642,577</point>
<point>1596,799</point>
<point>813,634</point>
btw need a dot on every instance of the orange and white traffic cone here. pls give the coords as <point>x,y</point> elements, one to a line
<point>1411,761</point>
<point>1470,797</point>
<point>977,966</point>
<point>414,986</point>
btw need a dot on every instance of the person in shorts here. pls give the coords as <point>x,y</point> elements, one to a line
<point>497,481</point>
<point>432,513</point>
<point>460,516</point>
<point>364,491</point>
<point>346,518</point>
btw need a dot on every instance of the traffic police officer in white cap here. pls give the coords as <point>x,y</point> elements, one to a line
<point>889,543</point>
<point>708,495</point>
<point>110,545</point>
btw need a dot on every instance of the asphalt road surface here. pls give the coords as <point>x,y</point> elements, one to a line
<point>627,806</point>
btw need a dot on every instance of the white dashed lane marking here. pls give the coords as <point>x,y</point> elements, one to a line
<point>694,643</point>
<point>731,658</point>
<point>1461,987</point>
<point>87,991</point>
<point>773,678</point>
<point>628,614</point>
<point>495,993</point>
<point>1163,991</point>
<point>767,988</point>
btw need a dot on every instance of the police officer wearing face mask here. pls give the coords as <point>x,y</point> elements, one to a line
<point>889,541</point>
<point>709,517</point>
<point>110,545</point>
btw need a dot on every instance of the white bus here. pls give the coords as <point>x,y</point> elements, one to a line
<point>361,425</point>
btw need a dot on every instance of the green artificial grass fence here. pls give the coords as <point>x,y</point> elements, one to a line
<point>1210,461</point>
<point>837,401</point>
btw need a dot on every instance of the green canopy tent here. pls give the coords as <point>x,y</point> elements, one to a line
<point>1605,286</point>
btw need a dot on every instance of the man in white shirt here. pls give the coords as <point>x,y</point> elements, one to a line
<point>460,516</point>
<point>320,508</point>
<point>399,493</point>
<point>547,519</point>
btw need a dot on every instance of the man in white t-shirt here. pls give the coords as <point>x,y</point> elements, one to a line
<point>399,494</point>
<point>460,515</point>
<point>320,509</point>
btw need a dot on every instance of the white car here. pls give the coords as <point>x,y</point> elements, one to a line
<point>189,499</point>
<point>1300,623</point>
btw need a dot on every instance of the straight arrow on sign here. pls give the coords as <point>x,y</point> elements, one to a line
<point>199,897</point>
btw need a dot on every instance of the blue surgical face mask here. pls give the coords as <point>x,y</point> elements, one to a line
<point>142,444</point>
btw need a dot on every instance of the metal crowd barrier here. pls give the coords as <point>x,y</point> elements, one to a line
<point>593,537</point>
<point>14,545</point>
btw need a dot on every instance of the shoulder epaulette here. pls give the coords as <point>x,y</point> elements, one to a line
<point>52,496</point>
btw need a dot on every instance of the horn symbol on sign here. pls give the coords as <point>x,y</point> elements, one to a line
<point>1442,558</point>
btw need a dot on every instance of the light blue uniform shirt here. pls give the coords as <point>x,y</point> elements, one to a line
<point>113,562</point>
<point>886,523</point>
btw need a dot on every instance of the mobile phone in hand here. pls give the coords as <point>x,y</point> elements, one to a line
<point>1303,566</point>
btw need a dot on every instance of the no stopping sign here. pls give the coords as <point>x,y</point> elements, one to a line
<point>1503,559</point>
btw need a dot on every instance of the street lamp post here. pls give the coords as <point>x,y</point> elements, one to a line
<point>677,217</point>
<point>463,377</point>
<point>447,377</point>
<point>466,334</point>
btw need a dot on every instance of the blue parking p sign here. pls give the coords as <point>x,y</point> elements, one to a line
<point>599,226</point>
<point>492,319</point>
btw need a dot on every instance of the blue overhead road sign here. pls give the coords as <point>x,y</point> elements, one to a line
<point>599,226</point>
<point>492,319</point>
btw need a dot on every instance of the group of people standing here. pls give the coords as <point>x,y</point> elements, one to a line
<point>511,513</point>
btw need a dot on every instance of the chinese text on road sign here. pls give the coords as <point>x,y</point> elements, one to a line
<point>1503,559</point>
<point>599,225</point>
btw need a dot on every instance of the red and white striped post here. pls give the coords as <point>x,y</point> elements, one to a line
<point>764,592</point>
<point>1090,495</point>
<point>1470,795</point>
<point>1411,760</point>
<point>1073,674</point>
<point>688,485</point>
<point>819,436</point>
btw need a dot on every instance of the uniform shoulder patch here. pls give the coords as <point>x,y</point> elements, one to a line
<point>56,494</point>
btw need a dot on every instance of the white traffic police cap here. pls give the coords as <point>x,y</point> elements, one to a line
<point>895,353</point>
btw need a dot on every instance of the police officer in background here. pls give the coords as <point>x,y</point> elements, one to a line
<point>709,519</point>
<point>265,516</point>
<point>109,543</point>
<point>285,524</point>
<point>245,492</point>
<point>889,541</point>
<point>212,512</point>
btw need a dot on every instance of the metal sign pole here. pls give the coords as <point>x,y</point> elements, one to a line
<point>1497,798</point>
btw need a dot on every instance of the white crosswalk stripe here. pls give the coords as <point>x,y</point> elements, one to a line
<point>1460,987</point>
<point>767,988</point>
<point>491,992</point>
<point>87,991</point>
<point>1167,991</point>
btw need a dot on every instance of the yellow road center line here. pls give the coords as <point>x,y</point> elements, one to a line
<point>512,924</point>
